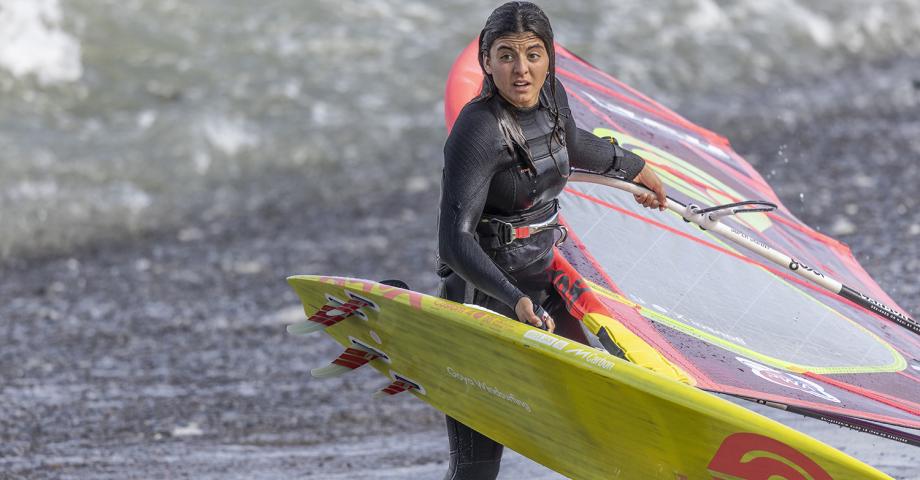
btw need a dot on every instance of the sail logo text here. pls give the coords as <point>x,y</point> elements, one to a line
<point>571,287</point>
<point>788,380</point>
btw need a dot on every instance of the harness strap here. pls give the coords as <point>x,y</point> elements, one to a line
<point>500,231</point>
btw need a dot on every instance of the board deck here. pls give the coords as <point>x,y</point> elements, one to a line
<point>575,409</point>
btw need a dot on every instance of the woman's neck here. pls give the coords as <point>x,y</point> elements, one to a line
<point>519,108</point>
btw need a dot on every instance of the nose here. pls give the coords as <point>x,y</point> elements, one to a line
<point>520,66</point>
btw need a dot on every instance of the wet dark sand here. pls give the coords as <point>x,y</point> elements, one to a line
<point>165,356</point>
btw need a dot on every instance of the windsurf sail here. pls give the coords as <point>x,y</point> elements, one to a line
<point>725,313</point>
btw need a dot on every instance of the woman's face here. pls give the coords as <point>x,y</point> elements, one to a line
<point>518,63</point>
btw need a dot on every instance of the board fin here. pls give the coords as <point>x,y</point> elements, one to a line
<point>329,315</point>
<point>350,359</point>
<point>397,386</point>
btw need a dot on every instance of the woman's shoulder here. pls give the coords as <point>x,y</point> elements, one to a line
<point>475,121</point>
<point>476,139</point>
<point>476,115</point>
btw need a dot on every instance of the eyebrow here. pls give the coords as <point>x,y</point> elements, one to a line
<point>532,45</point>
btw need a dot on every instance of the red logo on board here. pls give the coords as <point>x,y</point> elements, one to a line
<point>755,457</point>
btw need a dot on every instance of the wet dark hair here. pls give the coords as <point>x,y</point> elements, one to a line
<point>512,18</point>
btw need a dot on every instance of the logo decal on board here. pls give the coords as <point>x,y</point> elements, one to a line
<point>755,457</point>
<point>788,380</point>
<point>489,389</point>
<point>545,339</point>
<point>590,356</point>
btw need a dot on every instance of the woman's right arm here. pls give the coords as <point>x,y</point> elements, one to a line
<point>470,161</point>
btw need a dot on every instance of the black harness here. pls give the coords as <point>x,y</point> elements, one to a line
<point>496,231</point>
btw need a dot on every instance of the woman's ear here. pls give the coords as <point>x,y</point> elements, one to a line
<point>485,63</point>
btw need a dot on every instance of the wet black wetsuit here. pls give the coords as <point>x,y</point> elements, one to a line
<point>484,178</point>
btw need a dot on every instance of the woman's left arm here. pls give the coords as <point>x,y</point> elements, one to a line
<point>603,156</point>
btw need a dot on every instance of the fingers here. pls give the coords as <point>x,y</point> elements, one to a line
<point>657,198</point>
<point>546,323</point>
<point>661,198</point>
<point>647,200</point>
<point>534,320</point>
<point>525,313</point>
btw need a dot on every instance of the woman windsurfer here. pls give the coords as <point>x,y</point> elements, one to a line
<point>506,160</point>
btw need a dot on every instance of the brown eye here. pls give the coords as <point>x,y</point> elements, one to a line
<point>505,57</point>
<point>534,57</point>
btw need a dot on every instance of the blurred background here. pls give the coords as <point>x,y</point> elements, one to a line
<point>164,165</point>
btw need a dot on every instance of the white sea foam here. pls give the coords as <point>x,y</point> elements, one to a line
<point>131,197</point>
<point>33,42</point>
<point>230,135</point>
<point>32,190</point>
<point>190,430</point>
<point>158,94</point>
<point>707,16</point>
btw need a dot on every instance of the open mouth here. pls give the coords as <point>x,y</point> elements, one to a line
<point>521,85</point>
